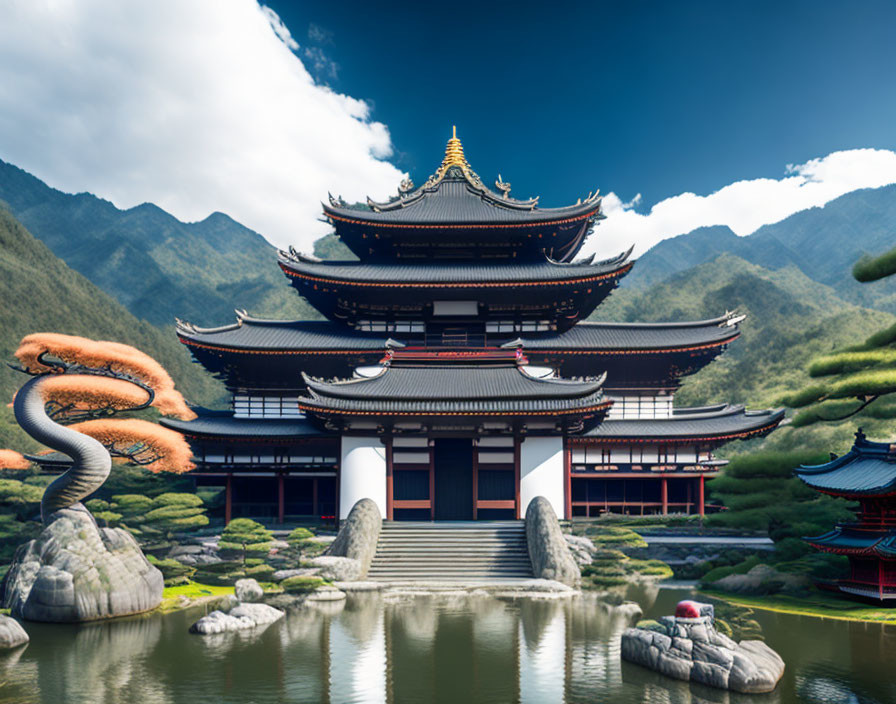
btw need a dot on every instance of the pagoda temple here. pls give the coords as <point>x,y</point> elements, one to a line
<point>456,375</point>
<point>867,474</point>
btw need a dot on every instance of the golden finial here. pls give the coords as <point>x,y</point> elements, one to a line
<point>454,151</point>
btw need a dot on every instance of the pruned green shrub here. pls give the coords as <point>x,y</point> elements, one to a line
<point>245,538</point>
<point>301,585</point>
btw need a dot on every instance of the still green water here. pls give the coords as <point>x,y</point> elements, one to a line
<point>465,650</point>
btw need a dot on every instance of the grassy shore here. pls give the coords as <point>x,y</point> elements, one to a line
<point>816,604</point>
<point>188,595</point>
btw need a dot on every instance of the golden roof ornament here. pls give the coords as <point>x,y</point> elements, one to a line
<point>454,151</point>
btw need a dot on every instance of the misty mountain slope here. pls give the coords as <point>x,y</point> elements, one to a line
<point>790,320</point>
<point>40,293</point>
<point>157,266</point>
<point>823,243</point>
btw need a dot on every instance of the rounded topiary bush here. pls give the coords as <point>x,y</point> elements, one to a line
<point>301,585</point>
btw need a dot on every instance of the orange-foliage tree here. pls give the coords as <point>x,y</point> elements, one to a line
<point>84,383</point>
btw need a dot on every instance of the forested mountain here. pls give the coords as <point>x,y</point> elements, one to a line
<point>40,293</point>
<point>823,243</point>
<point>158,267</point>
<point>790,319</point>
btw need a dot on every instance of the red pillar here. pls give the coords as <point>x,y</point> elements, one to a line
<point>664,493</point>
<point>432,481</point>
<point>701,494</point>
<point>281,505</point>
<point>228,499</point>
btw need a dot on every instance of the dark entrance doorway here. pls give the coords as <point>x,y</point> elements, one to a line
<point>453,460</point>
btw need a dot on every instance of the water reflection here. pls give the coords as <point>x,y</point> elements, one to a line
<point>427,649</point>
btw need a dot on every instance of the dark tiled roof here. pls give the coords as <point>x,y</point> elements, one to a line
<point>431,388</point>
<point>869,468</point>
<point>847,540</point>
<point>464,273</point>
<point>255,334</point>
<point>223,424</point>
<point>457,202</point>
<point>637,336</point>
<point>709,422</point>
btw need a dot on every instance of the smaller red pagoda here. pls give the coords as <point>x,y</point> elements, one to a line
<point>867,474</point>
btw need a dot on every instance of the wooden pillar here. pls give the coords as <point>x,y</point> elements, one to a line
<point>389,479</point>
<point>228,499</point>
<point>701,495</point>
<point>315,508</point>
<point>664,493</point>
<point>567,481</point>
<point>517,441</point>
<point>281,498</point>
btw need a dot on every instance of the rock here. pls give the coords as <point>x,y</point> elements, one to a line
<point>280,575</point>
<point>326,593</point>
<point>194,555</point>
<point>240,618</point>
<point>581,548</point>
<point>75,571</point>
<point>357,537</point>
<point>691,649</point>
<point>248,590</point>
<point>548,549</point>
<point>758,579</point>
<point>12,634</point>
<point>338,569</point>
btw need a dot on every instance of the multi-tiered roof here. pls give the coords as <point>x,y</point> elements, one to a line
<point>867,474</point>
<point>459,289</point>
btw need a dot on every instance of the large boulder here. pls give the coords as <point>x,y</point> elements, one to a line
<point>12,634</point>
<point>358,536</point>
<point>248,590</point>
<point>548,550</point>
<point>690,648</point>
<point>238,618</point>
<point>75,571</point>
<point>338,569</point>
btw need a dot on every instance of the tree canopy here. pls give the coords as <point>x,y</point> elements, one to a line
<point>856,379</point>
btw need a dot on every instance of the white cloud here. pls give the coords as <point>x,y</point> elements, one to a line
<point>196,106</point>
<point>744,206</point>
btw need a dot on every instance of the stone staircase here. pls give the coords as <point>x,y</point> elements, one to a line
<point>469,551</point>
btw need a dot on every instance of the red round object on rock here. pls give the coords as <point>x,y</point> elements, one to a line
<point>687,609</point>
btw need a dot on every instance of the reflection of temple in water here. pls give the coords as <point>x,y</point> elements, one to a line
<point>460,649</point>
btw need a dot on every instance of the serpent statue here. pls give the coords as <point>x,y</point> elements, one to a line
<point>75,570</point>
<point>91,461</point>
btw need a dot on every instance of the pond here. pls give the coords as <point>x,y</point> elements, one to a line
<point>424,649</point>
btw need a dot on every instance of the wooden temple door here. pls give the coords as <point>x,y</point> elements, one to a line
<point>453,479</point>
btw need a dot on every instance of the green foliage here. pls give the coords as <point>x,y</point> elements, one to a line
<point>617,537</point>
<point>299,536</point>
<point>192,270</point>
<point>14,532</point>
<point>245,538</point>
<point>761,493</point>
<point>173,571</point>
<point>718,573</point>
<point>152,521</point>
<point>33,282</point>
<point>301,585</point>
<point>331,247</point>
<point>874,268</point>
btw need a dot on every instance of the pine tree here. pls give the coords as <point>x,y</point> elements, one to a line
<point>857,379</point>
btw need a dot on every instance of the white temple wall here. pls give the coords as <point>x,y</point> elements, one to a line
<point>541,472</point>
<point>362,473</point>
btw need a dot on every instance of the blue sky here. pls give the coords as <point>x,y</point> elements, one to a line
<point>635,97</point>
<point>684,114</point>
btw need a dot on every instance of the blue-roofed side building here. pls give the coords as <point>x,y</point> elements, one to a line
<point>867,474</point>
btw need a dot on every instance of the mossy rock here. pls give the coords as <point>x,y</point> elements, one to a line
<point>301,585</point>
<point>599,580</point>
<point>651,625</point>
<point>261,573</point>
